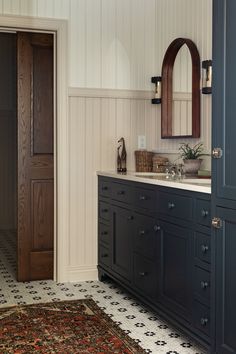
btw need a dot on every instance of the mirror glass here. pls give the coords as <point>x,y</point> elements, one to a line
<point>180,101</point>
<point>182,93</point>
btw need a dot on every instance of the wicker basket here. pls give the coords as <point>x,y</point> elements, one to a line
<point>159,163</point>
<point>143,160</point>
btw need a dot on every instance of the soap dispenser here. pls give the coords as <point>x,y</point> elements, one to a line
<point>123,156</point>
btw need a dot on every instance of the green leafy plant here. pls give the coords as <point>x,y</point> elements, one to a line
<point>191,153</point>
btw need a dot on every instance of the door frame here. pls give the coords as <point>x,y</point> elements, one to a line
<point>61,128</point>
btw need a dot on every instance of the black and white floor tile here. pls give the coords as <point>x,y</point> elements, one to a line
<point>144,326</point>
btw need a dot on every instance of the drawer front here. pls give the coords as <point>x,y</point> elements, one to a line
<point>104,188</point>
<point>175,205</point>
<point>104,257</point>
<point>145,198</point>
<point>104,211</point>
<point>203,247</point>
<point>202,284</point>
<point>145,275</point>
<point>122,193</point>
<point>201,317</point>
<point>104,233</point>
<point>203,212</point>
<point>147,236</point>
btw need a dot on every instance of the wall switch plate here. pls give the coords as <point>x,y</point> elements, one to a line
<point>141,142</point>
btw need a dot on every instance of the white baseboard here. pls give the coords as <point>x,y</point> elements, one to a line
<point>82,273</point>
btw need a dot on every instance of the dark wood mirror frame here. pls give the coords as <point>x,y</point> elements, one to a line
<point>167,88</point>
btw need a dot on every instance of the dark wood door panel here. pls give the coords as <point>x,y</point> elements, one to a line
<point>42,214</point>
<point>35,156</point>
<point>41,265</point>
<point>42,117</point>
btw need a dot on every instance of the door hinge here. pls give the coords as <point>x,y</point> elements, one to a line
<point>216,223</point>
<point>217,153</point>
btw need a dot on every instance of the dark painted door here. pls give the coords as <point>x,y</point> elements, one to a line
<point>123,226</point>
<point>224,98</point>
<point>226,282</point>
<point>35,156</point>
<point>176,269</point>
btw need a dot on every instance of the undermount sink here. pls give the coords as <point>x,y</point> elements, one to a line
<point>197,180</point>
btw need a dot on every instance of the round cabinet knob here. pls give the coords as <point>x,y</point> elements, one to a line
<point>171,205</point>
<point>204,284</point>
<point>105,255</point>
<point>204,213</point>
<point>105,210</point>
<point>121,192</point>
<point>142,274</point>
<point>104,233</point>
<point>156,228</point>
<point>142,197</point>
<point>104,188</point>
<point>204,321</point>
<point>142,232</point>
<point>204,248</point>
<point>130,217</point>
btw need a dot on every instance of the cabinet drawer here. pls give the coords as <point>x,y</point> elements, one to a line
<point>175,205</point>
<point>122,193</point>
<point>203,212</point>
<point>145,275</point>
<point>146,236</point>
<point>104,233</point>
<point>104,188</point>
<point>203,247</point>
<point>145,198</point>
<point>202,282</point>
<point>201,317</point>
<point>104,257</point>
<point>104,211</point>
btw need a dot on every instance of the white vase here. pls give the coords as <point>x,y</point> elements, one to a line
<point>191,167</point>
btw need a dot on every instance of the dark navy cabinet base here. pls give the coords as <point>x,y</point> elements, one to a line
<point>160,254</point>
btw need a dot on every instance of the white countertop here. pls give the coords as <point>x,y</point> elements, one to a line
<point>159,179</point>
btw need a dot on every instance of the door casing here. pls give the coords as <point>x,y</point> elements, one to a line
<point>61,143</point>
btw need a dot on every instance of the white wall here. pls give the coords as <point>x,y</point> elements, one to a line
<point>111,42</point>
<point>190,19</point>
<point>116,45</point>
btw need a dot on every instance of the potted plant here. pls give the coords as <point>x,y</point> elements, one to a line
<point>190,156</point>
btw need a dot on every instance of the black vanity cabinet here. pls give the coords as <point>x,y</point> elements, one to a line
<point>155,241</point>
<point>224,175</point>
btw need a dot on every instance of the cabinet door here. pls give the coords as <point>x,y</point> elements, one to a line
<point>225,239</point>
<point>122,223</point>
<point>224,98</point>
<point>176,268</point>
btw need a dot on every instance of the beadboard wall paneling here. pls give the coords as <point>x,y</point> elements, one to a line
<point>190,19</point>
<point>111,42</point>
<point>95,125</point>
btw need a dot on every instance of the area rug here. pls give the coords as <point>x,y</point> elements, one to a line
<point>62,327</point>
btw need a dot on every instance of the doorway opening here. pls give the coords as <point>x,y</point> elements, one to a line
<point>26,155</point>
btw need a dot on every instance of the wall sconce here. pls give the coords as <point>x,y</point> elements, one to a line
<point>207,77</point>
<point>157,94</point>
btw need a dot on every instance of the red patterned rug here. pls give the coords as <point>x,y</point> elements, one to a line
<point>62,327</point>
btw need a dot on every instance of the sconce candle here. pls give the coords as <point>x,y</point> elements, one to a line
<point>207,77</point>
<point>157,94</point>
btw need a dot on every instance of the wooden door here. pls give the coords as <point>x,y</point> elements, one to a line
<point>226,282</point>
<point>35,156</point>
<point>224,99</point>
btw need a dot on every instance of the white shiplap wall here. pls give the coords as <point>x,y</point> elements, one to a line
<point>111,42</point>
<point>96,124</point>
<point>190,19</point>
<point>114,44</point>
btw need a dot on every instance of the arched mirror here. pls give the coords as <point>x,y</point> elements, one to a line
<point>180,114</point>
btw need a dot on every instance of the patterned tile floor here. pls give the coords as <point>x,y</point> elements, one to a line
<point>145,327</point>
